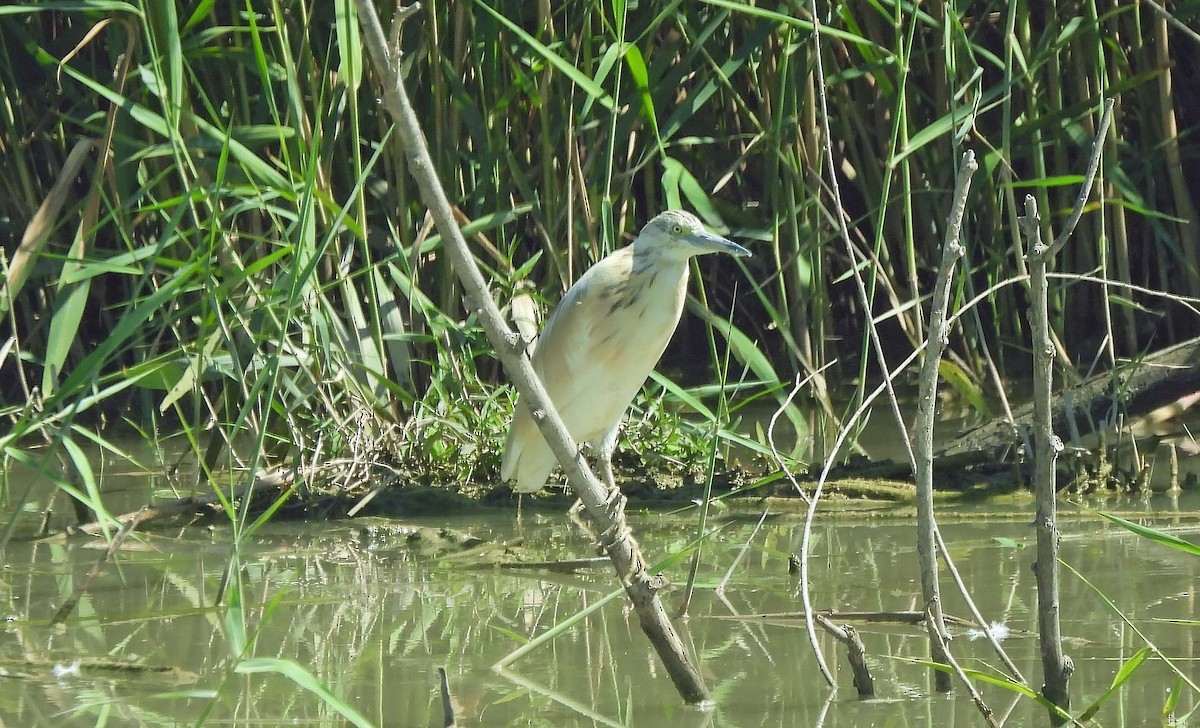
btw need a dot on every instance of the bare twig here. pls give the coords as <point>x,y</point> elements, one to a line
<point>856,654</point>
<point>737,560</point>
<point>1085,190</point>
<point>1056,666</point>
<point>939,333</point>
<point>811,514</point>
<point>787,402</point>
<point>1174,21</point>
<point>805,595</point>
<point>984,627</point>
<point>970,306</point>
<point>616,538</point>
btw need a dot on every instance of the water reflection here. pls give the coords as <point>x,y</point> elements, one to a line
<point>352,604</point>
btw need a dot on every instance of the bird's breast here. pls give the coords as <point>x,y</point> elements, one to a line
<point>607,335</point>
<point>642,312</point>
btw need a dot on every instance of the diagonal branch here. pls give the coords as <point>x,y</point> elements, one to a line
<point>618,542</point>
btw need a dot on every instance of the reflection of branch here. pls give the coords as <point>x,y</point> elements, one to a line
<point>69,606</point>
<point>447,702</point>
<point>987,713</point>
<point>906,616</point>
<point>609,516</point>
<point>275,480</point>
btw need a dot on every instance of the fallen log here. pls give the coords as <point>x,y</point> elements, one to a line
<point>1133,389</point>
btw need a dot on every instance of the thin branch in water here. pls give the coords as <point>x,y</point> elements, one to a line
<point>984,710</point>
<point>974,609</point>
<point>1056,665</point>
<point>856,654</point>
<point>741,553</point>
<point>938,335</point>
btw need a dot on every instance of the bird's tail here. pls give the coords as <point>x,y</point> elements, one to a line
<point>527,459</point>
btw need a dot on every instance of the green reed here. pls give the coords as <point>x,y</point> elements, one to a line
<point>234,257</point>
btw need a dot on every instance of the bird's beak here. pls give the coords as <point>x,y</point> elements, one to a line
<point>707,242</point>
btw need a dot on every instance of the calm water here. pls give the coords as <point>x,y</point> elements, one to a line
<point>353,605</point>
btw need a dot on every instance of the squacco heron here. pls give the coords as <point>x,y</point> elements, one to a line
<point>603,340</point>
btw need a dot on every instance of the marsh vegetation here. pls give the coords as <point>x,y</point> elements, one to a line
<point>212,241</point>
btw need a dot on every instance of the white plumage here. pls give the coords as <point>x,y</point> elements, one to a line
<point>604,339</point>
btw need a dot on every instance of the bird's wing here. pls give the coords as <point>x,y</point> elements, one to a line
<point>565,351</point>
<point>578,334</point>
<point>604,339</point>
<point>527,458</point>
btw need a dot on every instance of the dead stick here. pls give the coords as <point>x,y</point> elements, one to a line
<point>856,654</point>
<point>1056,666</point>
<point>275,480</point>
<point>938,337</point>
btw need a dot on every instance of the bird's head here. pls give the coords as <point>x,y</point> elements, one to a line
<point>679,234</point>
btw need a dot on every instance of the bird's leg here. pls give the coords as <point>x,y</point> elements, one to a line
<point>605,447</point>
<point>577,506</point>
<point>616,500</point>
<point>608,445</point>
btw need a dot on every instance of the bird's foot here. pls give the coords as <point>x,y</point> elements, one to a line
<point>615,502</point>
<point>617,529</point>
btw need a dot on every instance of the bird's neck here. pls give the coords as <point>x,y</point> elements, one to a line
<point>657,277</point>
<point>651,259</point>
<point>653,267</point>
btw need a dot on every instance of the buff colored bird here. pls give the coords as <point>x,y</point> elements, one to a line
<point>604,339</point>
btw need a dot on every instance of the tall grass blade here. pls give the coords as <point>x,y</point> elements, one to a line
<point>305,679</point>
<point>1152,534</point>
<point>44,221</point>
<point>1128,667</point>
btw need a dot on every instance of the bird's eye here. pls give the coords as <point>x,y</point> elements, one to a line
<point>677,229</point>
